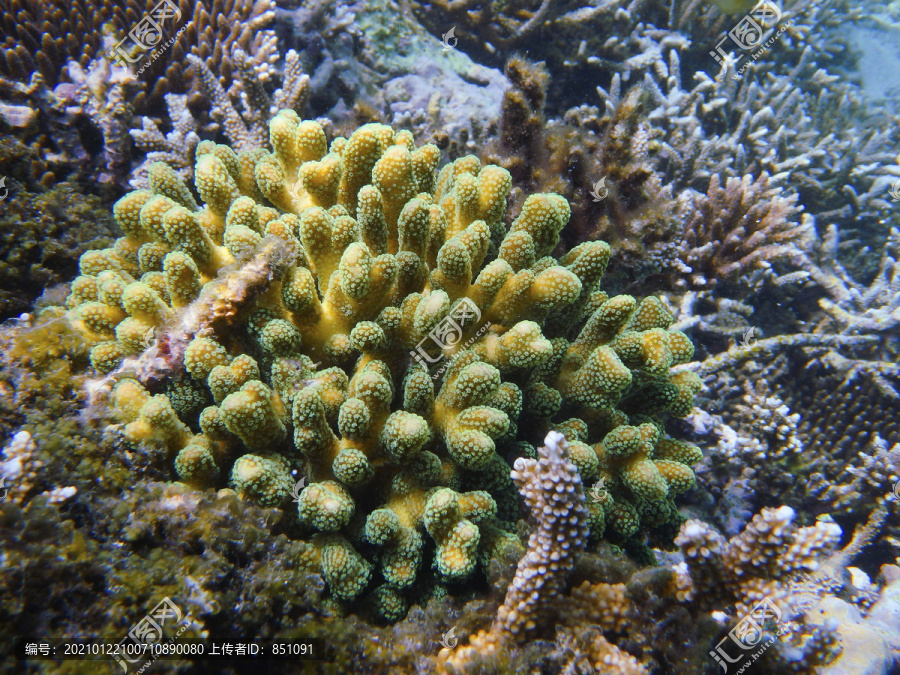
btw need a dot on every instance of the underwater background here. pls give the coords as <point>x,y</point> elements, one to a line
<point>463,336</point>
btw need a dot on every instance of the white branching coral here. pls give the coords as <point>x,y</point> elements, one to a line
<point>552,490</point>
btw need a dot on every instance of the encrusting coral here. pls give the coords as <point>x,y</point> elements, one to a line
<point>342,312</point>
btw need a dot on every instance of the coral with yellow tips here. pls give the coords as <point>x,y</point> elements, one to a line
<point>344,312</point>
<point>451,520</point>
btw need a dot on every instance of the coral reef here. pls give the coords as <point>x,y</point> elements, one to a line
<point>854,307</point>
<point>628,624</point>
<point>345,314</point>
<point>816,434</point>
<point>242,124</point>
<point>227,563</point>
<point>751,124</point>
<point>770,553</point>
<point>75,32</point>
<point>609,166</point>
<point>80,127</point>
<point>738,228</point>
<point>350,381</point>
<point>42,143</point>
<point>73,92</point>
<point>370,62</point>
<point>636,167</point>
<point>102,93</point>
<point>603,166</point>
<point>175,148</point>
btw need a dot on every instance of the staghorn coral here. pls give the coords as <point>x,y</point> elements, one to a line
<point>205,32</point>
<point>737,227</point>
<point>741,571</point>
<point>855,307</point>
<point>103,93</point>
<point>832,444</point>
<point>247,129</point>
<point>45,139</point>
<point>339,311</point>
<point>175,148</point>
<point>81,125</point>
<point>611,169</point>
<point>238,114</point>
<point>553,492</point>
<point>76,70</point>
<point>762,122</point>
<point>603,166</point>
<point>761,566</point>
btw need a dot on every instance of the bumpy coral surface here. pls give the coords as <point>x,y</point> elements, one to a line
<point>346,314</point>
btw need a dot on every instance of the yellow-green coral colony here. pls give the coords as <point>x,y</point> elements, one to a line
<point>271,334</point>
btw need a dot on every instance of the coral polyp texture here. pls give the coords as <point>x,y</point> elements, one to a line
<point>346,313</point>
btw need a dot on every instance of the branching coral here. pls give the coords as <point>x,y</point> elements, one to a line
<point>856,308</point>
<point>761,567</point>
<point>339,310</point>
<point>820,434</point>
<point>611,166</point>
<point>82,124</point>
<point>766,556</point>
<point>768,565</point>
<point>553,492</point>
<point>737,227</point>
<point>80,59</point>
<point>601,164</point>
<point>103,94</point>
<point>175,149</point>
<point>762,123</point>
<point>75,31</point>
